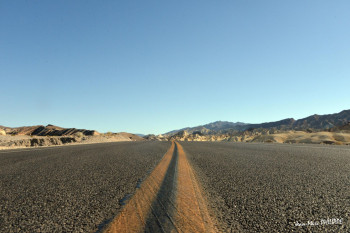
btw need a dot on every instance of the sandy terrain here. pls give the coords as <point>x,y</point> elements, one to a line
<point>24,141</point>
<point>51,135</point>
<point>341,137</point>
<point>304,137</point>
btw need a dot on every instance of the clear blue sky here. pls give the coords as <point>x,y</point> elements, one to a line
<point>155,66</point>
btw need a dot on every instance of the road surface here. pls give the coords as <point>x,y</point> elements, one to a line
<point>184,187</point>
<point>257,187</point>
<point>169,200</point>
<point>71,188</point>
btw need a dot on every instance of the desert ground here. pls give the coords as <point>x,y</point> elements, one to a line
<point>336,138</point>
<point>289,136</point>
<point>51,135</point>
<point>26,141</point>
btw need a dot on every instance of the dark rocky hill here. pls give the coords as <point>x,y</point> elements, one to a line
<point>341,128</point>
<point>323,121</point>
<point>213,127</point>
<point>314,122</point>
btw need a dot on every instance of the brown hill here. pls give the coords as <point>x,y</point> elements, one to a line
<point>49,130</point>
<point>131,136</point>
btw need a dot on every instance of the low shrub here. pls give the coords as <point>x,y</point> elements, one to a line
<point>79,134</point>
<point>2,132</point>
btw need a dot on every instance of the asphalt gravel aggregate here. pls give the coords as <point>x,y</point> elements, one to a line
<point>257,187</point>
<point>71,188</point>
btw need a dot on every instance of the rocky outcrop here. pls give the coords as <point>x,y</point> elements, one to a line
<point>2,132</point>
<point>343,128</point>
<point>50,135</point>
<point>33,142</point>
<point>269,136</point>
<point>132,137</point>
<point>49,130</point>
<point>152,137</point>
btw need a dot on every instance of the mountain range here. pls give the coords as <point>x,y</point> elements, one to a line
<point>313,122</point>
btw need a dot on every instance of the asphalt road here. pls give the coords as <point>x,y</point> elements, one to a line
<point>249,187</point>
<point>71,188</point>
<point>168,200</point>
<point>274,187</point>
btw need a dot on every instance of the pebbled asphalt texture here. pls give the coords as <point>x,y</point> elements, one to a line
<point>71,188</point>
<point>259,187</point>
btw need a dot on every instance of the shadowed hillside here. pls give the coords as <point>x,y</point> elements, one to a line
<point>49,130</point>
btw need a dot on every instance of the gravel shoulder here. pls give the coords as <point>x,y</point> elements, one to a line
<point>71,189</point>
<point>255,187</point>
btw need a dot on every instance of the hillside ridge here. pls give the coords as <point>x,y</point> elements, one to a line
<point>314,122</point>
